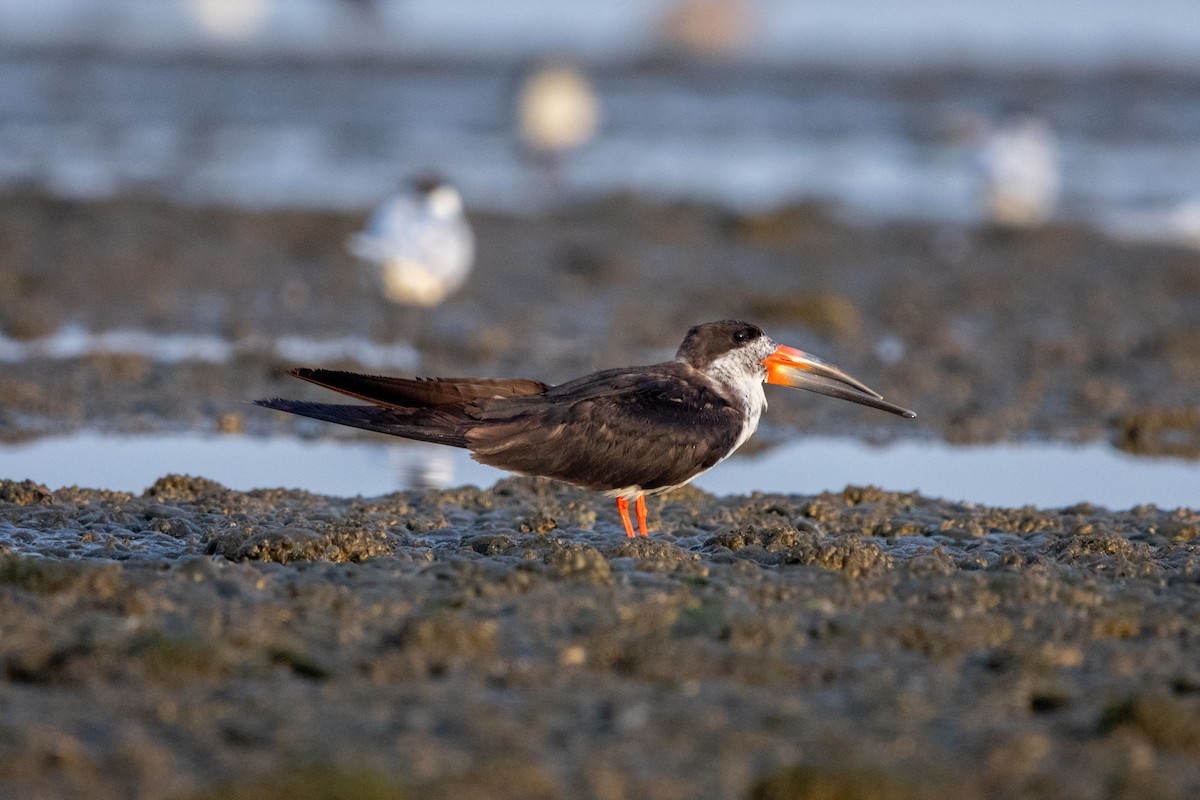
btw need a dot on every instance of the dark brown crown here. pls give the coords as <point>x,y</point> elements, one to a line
<point>708,342</point>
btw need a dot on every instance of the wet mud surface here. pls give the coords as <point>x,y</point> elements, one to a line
<point>197,642</point>
<point>988,333</point>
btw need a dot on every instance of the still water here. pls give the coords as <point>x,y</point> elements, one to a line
<point>867,105</point>
<point>1046,475</point>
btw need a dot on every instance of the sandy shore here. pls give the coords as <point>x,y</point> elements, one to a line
<point>196,642</point>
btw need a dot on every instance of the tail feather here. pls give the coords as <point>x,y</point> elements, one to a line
<point>434,426</point>
<point>413,393</point>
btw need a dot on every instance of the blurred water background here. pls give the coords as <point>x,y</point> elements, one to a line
<point>875,107</point>
<point>880,111</point>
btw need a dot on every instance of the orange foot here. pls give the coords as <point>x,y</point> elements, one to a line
<point>640,508</point>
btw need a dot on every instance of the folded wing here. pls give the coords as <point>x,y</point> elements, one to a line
<point>417,392</point>
<point>647,427</point>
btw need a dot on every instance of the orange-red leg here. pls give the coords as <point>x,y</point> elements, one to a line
<point>623,507</point>
<point>640,507</point>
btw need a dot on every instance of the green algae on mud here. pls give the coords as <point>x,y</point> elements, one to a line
<point>165,644</point>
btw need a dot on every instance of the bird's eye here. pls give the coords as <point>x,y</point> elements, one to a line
<point>742,336</point>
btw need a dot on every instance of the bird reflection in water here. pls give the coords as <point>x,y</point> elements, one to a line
<point>422,466</point>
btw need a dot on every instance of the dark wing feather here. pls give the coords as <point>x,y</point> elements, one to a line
<point>650,427</point>
<point>417,392</point>
<point>425,425</point>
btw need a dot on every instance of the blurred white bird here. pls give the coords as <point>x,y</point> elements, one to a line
<point>1177,224</point>
<point>1021,171</point>
<point>231,20</point>
<point>417,247</point>
<point>556,112</point>
<point>709,29</point>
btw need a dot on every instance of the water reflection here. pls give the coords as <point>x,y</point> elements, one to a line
<point>422,466</point>
<point>1045,475</point>
<point>73,341</point>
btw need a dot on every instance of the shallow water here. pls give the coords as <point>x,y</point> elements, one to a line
<point>1045,475</point>
<point>1064,33</point>
<point>292,119</point>
<point>344,137</point>
<point>73,341</point>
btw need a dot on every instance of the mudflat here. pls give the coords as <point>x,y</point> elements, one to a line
<point>194,642</point>
<point>989,333</point>
<point>198,642</point>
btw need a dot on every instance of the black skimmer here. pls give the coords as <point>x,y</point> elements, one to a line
<point>627,432</point>
<point>417,247</point>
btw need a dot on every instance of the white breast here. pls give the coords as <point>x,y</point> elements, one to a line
<point>741,380</point>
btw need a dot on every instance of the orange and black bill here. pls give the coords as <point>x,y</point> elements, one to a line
<point>788,366</point>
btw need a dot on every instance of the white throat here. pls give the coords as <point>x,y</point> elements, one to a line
<point>740,374</point>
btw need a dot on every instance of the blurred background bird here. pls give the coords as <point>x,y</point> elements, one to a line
<point>417,247</point>
<point>711,30</point>
<point>1021,171</point>
<point>557,112</point>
